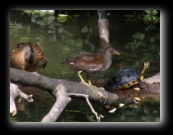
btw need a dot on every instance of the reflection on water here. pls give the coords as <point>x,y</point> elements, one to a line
<point>61,46</point>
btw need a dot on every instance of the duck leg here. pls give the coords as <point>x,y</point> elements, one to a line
<point>82,80</point>
<point>89,81</point>
<point>80,76</point>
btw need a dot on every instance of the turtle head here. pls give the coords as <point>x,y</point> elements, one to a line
<point>144,67</point>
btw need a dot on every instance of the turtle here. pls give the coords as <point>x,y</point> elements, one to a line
<point>127,77</point>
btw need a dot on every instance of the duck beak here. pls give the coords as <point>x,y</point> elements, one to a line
<point>117,53</point>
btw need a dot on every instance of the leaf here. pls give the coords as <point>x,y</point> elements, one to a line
<point>62,18</point>
<point>151,12</point>
<point>154,12</point>
<point>148,11</point>
<point>152,39</point>
<point>90,118</point>
<point>139,36</point>
<point>28,11</point>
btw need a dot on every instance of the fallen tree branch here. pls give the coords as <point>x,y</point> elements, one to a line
<point>62,100</point>
<point>57,86</point>
<point>50,84</point>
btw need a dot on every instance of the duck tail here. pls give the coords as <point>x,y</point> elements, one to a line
<point>65,62</point>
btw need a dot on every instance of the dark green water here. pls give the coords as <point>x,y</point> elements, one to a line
<point>59,47</point>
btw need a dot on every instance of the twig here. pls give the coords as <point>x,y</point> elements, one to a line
<point>14,92</point>
<point>98,117</point>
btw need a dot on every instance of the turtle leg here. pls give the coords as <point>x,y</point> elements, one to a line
<point>141,85</point>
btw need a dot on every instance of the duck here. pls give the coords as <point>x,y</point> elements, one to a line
<point>28,56</point>
<point>91,62</point>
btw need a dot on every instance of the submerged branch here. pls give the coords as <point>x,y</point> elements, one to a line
<point>103,26</point>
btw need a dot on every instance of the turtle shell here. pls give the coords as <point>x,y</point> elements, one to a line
<point>124,78</point>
